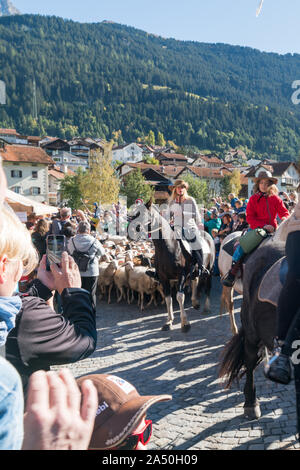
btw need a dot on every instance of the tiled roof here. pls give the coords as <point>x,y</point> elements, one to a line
<point>172,156</point>
<point>26,154</point>
<point>9,131</point>
<point>207,172</point>
<point>277,169</point>
<point>168,170</point>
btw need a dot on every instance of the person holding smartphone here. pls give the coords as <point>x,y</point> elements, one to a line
<point>41,337</point>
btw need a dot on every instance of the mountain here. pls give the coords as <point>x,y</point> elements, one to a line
<point>7,8</point>
<point>94,79</point>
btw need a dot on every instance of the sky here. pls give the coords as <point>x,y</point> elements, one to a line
<point>211,21</point>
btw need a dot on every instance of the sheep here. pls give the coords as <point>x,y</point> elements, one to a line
<point>106,278</point>
<point>140,282</point>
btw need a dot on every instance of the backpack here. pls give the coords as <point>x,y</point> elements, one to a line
<point>82,258</point>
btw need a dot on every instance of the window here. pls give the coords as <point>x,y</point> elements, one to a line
<point>35,191</point>
<point>16,189</point>
<point>34,174</point>
<point>16,174</point>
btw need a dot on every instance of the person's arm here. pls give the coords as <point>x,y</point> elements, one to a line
<point>282,211</point>
<point>46,338</point>
<point>251,214</point>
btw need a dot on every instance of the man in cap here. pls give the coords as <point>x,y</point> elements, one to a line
<point>120,421</point>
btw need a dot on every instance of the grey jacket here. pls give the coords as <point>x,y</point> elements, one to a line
<point>84,242</point>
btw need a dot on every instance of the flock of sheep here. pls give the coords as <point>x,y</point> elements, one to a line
<point>124,267</point>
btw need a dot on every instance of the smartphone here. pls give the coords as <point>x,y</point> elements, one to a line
<point>56,245</point>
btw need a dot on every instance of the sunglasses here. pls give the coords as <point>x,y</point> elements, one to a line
<point>134,439</point>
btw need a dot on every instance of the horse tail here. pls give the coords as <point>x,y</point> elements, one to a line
<point>233,359</point>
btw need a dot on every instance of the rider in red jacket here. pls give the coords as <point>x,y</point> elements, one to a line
<point>262,210</point>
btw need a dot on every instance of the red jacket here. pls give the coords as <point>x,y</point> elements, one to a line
<point>263,210</point>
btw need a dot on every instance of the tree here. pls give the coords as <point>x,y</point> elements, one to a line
<point>72,189</point>
<point>197,188</point>
<point>101,183</point>
<point>150,139</point>
<point>151,160</point>
<point>231,184</point>
<point>135,187</point>
<point>235,180</point>
<point>160,139</point>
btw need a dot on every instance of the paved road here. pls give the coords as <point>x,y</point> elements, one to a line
<point>201,415</point>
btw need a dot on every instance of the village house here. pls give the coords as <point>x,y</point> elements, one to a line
<point>55,177</point>
<point>66,160</point>
<point>208,161</point>
<point>167,158</point>
<point>212,176</point>
<point>235,155</point>
<point>287,173</point>
<point>127,153</point>
<point>26,170</point>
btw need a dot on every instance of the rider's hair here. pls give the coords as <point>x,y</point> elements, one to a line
<point>174,195</point>
<point>271,191</point>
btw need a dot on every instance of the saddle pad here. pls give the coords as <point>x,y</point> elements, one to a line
<point>229,247</point>
<point>271,284</point>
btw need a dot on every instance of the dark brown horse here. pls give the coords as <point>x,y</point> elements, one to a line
<point>173,262</point>
<point>247,349</point>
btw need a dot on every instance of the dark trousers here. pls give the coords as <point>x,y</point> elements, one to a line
<point>90,284</point>
<point>289,300</point>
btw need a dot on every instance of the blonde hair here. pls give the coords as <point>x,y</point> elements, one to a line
<point>271,191</point>
<point>15,240</point>
<point>174,195</point>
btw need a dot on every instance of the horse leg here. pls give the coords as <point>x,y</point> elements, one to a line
<point>169,303</point>
<point>185,325</point>
<point>195,301</point>
<point>207,289</point>
<point>251,406</point>
<point>234,328</point>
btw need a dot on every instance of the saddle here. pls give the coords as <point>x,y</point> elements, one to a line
<point>272,282</point>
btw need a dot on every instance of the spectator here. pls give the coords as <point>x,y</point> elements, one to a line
<point>217,242</point>
<point>121,422</point>
<point>213,221</point>
<point>86,251</point>
<point>239,206</point>
<point>39,237</point>
<point>41,337</point>
<point>58,224</point>
<point>232,199</point>
<point>242,223</point>
<point>226,227</point>
<point>69,230</point>
<point>31,221</point>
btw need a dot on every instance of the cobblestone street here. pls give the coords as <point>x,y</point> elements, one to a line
<point>201,415</point>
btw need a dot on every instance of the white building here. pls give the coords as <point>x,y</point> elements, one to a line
<point>26,170</point>
<point>127,153</point>
<point>66,160</point>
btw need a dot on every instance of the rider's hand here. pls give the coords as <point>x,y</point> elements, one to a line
<point>269,228</point>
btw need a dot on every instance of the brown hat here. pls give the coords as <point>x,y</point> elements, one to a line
<point>120,409</point>
<point>265,175</point>
<point>179,183</point>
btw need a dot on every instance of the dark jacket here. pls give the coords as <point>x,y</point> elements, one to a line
<point>40,243</point>
<point>43,338</point>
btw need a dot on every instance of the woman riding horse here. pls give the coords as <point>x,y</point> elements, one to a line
<point>263,208</point>
<point>185,218</point>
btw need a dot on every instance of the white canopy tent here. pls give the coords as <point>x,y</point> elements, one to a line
<point>21,203</point>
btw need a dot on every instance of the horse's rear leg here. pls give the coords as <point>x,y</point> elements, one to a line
<point>227,301</point>
<point>169,302</point>
<point>207,289</point>
<point>195,300</point>
<point>251,406</point>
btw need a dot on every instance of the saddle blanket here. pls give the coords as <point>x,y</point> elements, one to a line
<point>272,282</point>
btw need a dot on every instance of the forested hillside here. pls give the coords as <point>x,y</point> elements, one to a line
<point>93,79</point>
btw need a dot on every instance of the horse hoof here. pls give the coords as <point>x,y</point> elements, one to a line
<point>206,312</point>
<point>185,328</point>
<point>166,327</point>
<point>196,306</point>
<point>252,412</point>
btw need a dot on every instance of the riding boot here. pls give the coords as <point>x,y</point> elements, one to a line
<point>229,278</point>
<point>279,368</point>
<point>198,260</point>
